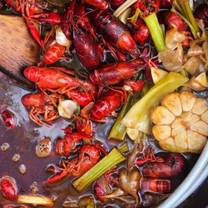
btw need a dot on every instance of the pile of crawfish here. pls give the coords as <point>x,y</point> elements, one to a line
<point>115,59</point>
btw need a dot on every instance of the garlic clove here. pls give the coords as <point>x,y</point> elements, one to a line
<point>173,38</point>
<point>161,132</point>
<point>196,141</point>
<point>200,106</point>
<point>192,65</point>
<point>201,127</point>
<point>161,115</point>
<point>187,101</point>
<point>135,134</point>
<point>189,118</point>
<point>61,38</point>
<point>181,141</point>
<point>67,108</point>
<point>173,103</point>
<point>168,144</point>
<point>157,74</point>
<point>177,127</point>
<point>204,117</point>
<point>199,83</point>
<point>172,59</point>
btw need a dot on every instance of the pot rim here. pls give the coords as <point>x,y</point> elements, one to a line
<point>194,179</point>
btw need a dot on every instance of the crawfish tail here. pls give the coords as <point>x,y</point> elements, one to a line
<point>98,4</point>
<point>56,178</point>
<point>173,165</point>
<point>113,74</point>
<point>156,185</point>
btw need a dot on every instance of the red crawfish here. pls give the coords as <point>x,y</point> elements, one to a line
<point>173,165</point>
<point>116,3</point>
<point>133,86</point>
<point>156,185</point>
<point>173,20</point>
<point>88,156</point>
<point>147,7</point>
<point>58,79</point>
<point>9,119</point>
<point>71,143</point>
<point>140,32</point>
<point>88,50</point>
<point>116,33</point>
<point>166,3</point>
<point>109,102</point>
<point>67,19</point>
<point>8,188</point>
<point>72,140</point>
<point>33,15</point>
<point>115,73</point>
<point>98,4</point>
<point>42,108</point>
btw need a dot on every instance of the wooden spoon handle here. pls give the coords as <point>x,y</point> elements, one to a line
<point>17,47</point>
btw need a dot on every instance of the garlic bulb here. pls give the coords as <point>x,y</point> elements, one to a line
<point>181,123</point>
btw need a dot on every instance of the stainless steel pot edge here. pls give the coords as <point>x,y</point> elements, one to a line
<point>191,182</point>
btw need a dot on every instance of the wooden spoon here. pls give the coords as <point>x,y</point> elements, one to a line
<point>17,48</point>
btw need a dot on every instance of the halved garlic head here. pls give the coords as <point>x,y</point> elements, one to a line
<point>67,108</point>
<point>181,123</point>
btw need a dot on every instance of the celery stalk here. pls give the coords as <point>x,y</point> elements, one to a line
<point>109,161</point>
<point>155,31</point>
<point>186,11</point>
<point>140,111</point>
<point>118,130</point>
<point>123,148</point>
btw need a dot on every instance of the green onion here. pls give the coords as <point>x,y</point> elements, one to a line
<point>155,31</point>
<point>118,130</point>
<point>184,8</point>
<point>109,161</point>
<point>138,114</point>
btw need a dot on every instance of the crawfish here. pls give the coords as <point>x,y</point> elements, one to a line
<point>98,4</point>
<point>172,166</point>
<point>107,104</point>
<point>53,53</point>
<point>140,32</point>
<point>156,185</point>
<point>33,14</point>
<point>116,3</point>
<point>89,155</point>
<point>116,33</point>
<point>173,20</point>
<point>42,108</point>
<point>71,143</point>
<point>115,73</point>
<point>88,50</point>
<point>57,79</point>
